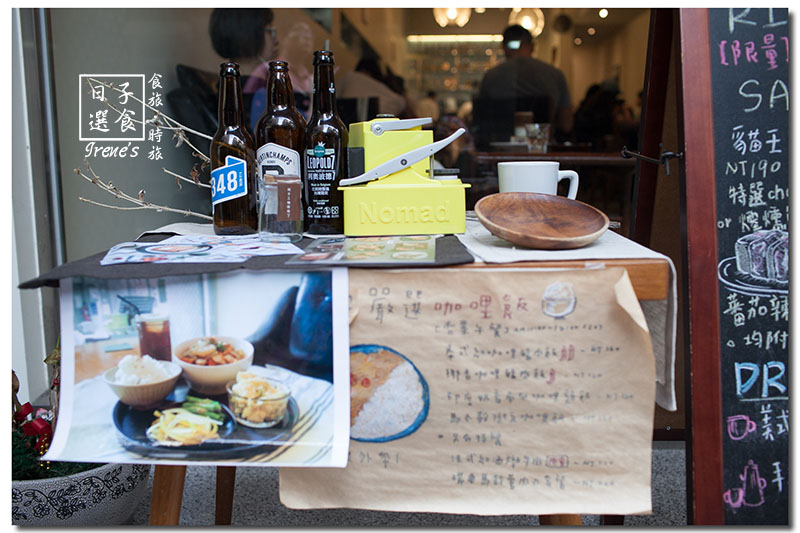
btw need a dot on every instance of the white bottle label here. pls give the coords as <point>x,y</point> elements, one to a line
<point>278,160</point>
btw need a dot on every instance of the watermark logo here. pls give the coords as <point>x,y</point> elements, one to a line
<point>112,112</point>
<point>106,114</point>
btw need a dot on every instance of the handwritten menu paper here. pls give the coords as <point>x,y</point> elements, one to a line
<point>750,82</point>
<point>493,392</point>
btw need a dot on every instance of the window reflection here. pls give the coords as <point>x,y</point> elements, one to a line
<point>437,71</point>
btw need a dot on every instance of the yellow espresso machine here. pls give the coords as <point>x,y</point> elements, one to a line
<point>399,193</point>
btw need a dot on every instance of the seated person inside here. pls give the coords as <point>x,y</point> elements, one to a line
<point>520,83</point>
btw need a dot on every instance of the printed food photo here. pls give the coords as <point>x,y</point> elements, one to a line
<point>255,386</point>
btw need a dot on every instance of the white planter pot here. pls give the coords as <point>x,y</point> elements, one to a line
<point>107,495</point>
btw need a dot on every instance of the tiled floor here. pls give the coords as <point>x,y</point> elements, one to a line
<point>256,502</point>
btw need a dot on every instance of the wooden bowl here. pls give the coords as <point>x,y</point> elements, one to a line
<point>541,221</point>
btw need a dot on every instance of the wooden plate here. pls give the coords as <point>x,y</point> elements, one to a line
<point>541,221</point>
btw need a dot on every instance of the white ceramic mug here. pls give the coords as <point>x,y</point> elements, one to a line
<point>535,176</point>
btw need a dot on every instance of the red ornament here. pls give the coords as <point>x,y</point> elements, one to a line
<point>38,427</point>
<point>24,410</point>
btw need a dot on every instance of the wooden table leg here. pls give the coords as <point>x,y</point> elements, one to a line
<point>226,480</point>
<point>165,504</point>
<point>612,520</point>
<point>560,520</point>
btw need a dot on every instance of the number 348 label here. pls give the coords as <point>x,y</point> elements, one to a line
<point>229,181</point>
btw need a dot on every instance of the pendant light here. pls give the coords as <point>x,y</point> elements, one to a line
<point>452,16</point>
<point>530,18</point>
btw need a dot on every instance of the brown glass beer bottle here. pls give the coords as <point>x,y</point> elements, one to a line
<point>280,141</point>
<point>234,187</point>
<point>325,161</point>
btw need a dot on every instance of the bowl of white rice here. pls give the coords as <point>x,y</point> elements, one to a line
<point>389,397</point>
<point>142,381</point>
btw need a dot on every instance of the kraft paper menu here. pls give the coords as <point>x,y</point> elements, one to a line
<point>537,394</point>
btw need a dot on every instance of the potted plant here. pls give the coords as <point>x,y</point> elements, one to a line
<point>50,493</point>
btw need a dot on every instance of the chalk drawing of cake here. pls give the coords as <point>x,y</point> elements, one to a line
<point>760,265</point>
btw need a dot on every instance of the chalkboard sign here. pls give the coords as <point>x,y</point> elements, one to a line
<point>750,91</point>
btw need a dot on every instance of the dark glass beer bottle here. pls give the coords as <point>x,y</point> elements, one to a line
<point>234,196</point>
<point>280,140</point>
<point>325,161</point>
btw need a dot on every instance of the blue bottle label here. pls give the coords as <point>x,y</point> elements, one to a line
<point>229,181</point>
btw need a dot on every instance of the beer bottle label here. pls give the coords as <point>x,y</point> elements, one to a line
<point>229,181</point>
<point>321,167</point>
<point>276,159</point>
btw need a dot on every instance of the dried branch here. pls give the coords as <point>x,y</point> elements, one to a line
<point>193,180</point>
<point>139,202</point>
<point>162,122</point>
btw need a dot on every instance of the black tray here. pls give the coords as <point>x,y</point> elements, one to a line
<point>235,440</point>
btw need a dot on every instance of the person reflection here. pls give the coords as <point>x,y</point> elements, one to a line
<point>428,106</point>
<point>604,120</point>
<point>521,79</point>
<point>297,49</point>
<point>245,36</point>
<point>459,153</point>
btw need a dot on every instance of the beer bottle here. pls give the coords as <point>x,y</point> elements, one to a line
<point>234,189</point>
<point>325,161</point>
<point>280,138</point>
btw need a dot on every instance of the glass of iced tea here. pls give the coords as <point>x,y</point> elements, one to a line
<point>154,336</point>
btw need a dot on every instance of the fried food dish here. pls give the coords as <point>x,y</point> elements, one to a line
<point>368,371</point>
<point>209,351</point>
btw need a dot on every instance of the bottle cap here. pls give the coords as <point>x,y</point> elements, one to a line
<point>229,69</point>
<point>323,56</point>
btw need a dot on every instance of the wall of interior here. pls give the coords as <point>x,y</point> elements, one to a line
<point>624,54</point>
<point>631,43</point>
<point>587,68</point>
<point>384,30</point>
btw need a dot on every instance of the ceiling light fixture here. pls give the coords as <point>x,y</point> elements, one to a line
<point>452,16</point>
<point>578,41</point>
<point>591,31</point>
<point>530,18</point>
<point>480,10</point>
<point>603,13</point>
<point>462,38</point>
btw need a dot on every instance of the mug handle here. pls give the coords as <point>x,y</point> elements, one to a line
<point>573,182</point>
